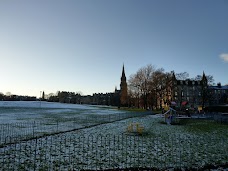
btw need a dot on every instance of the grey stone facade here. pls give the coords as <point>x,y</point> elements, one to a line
<point>189,92</point>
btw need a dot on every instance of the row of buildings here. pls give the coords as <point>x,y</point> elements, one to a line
<point>16,98</point>
<point>115,98</point>
<point>179,93</point>
<point>197,93</point>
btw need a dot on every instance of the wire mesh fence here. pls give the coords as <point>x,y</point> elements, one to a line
<point>99,152</point>
<point>221,117</point>
<point>13,132</point>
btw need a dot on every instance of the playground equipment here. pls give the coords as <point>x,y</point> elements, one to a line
<point>135,128</point>
<point>171,116</point>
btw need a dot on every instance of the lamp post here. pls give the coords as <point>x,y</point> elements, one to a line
<point>40,98</point>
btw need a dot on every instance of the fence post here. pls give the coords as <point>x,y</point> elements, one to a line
<point>1,134</point>
<point>34,164</point>
<point>33,129</point>
<point>57,126</point>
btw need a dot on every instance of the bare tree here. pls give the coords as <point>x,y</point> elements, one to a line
<point>159,86</point>
<point>197,78</point>
<point>140,83</point>
<point>8,94</point>
<point>134,88</point>
<point>210,79</point>
<point>182,75</point>
<point>1,96</point>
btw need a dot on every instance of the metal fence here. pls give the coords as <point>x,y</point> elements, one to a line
<point>216,116</point>
<point>221,117</point>
<point>13,132</point>
<point>98,152</point>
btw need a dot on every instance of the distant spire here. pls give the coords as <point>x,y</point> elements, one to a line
<point>173,75</point>
<point>123,72</point>
<point>204,76</point>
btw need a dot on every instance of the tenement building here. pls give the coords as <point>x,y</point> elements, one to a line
<point>189,92</point>
<point>218,94</point>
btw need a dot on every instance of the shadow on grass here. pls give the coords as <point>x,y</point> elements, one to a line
<point>199,125</point>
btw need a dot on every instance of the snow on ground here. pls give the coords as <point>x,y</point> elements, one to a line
<point>111,146</point>
<point>107,145</point>
<point>27,119</point>
<point>42,104</point>
<point>21,111</point>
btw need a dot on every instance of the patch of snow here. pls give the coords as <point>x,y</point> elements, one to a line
<point>42,104</point>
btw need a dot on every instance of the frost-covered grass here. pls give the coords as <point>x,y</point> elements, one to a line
<point>21,119</point>
<point>192,143</point>
<point>109,146</point>
<point>11,112</point>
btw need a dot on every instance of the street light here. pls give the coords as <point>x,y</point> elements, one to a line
<point>40,98</point>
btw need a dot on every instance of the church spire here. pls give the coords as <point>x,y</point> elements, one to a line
<point>123,74</point>
<point>204,76</point>
<point>115,89</point>
<point>204,79</point>
<point>173,75</point>
<point>123,89</point>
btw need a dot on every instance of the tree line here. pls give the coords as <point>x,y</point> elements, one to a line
<point>9,97</point>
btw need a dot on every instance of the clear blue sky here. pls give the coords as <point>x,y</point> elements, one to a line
<point>81,45</point>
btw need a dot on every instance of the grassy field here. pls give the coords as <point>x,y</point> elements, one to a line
<point>193,143</point>
<point>202,126</point>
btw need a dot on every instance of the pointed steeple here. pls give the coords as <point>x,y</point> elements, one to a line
<point>204,76</point>
<point>123,88</point>
<point>204,79</point>
<point>173,75</point>
<point>123,73</point>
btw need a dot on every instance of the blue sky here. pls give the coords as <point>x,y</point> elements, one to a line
<point>81,45</point>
